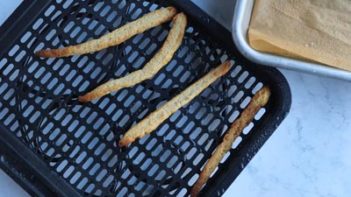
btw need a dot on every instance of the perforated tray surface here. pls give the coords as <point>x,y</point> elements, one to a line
<point>54,145</point>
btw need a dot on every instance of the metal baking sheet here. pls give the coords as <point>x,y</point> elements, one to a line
<point>241,20</point>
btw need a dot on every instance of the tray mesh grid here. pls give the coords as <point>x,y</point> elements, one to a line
<point>78,141</point>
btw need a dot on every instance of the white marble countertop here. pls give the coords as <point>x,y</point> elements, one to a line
<point>309,154</point>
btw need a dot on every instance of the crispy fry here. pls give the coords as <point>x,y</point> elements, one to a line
<point>162,57</point>
<point>152,121</point>
<point>116,37</point>
<point>258,101</point>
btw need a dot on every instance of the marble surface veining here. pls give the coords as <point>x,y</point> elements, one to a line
<point>309,154</point>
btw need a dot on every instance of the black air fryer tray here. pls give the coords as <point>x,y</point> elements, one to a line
<point>53,145</point>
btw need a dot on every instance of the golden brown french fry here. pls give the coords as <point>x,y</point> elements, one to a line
<point>152,121</point>
<point>116,37</point>
<point>259,100</point>
<point>162,58</point>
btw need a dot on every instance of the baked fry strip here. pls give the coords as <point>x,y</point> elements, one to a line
<point>152,121</point>
<point>116,37</point>
<point>258,101</point>
<point>162,58</point>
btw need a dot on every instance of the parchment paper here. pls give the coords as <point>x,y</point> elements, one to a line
<point>317,30</point>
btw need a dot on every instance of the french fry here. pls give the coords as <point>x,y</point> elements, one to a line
<point>259,100</point>
<point>116,37</point>
<point>155,119</point>
<point>162,58</point>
